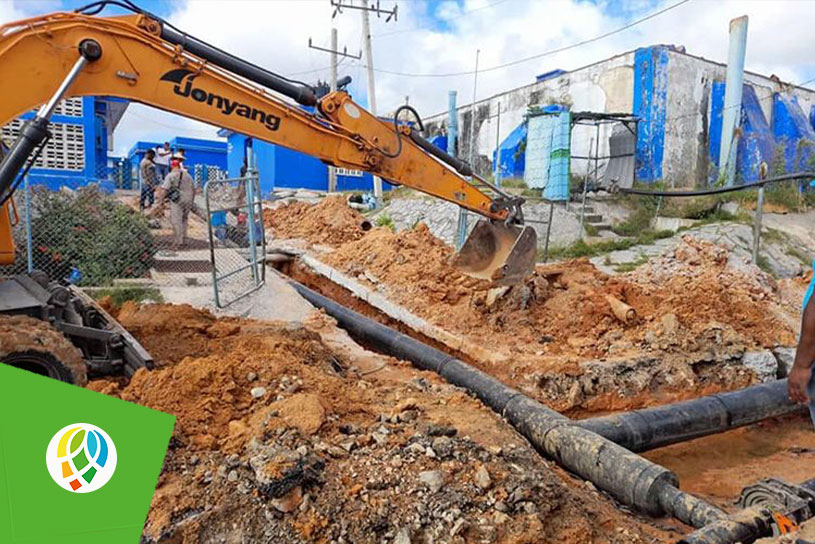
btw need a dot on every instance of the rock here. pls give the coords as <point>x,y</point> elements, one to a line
<point>458,526</point>
<point>250,377</point>
<point>258,392</point>
<point>415,447</point>
<point>763,363</point>
<point>233,476</point>
<point>441,430</point>
<point>501,506</point>
<point>433,479</point>
<point>730,207</point>
<point>482,478</point>
<point>233,461</point>
<point>402,536</point>
<point>785,358</point>
<point>443,446</point>
<point>303,411</point>
<point>288,502</point>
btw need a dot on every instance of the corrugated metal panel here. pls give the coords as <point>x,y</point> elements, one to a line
<point>622,147</point>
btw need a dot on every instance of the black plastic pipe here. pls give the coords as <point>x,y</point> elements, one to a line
<point>650,428</point>
<point>628,477</point>
<point>301,93</point>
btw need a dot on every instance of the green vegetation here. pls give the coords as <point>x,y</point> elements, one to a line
<point>764,264</point>
<point>385,220</point>
<point>136,293</point>
<point>582,249</point>
<point>796,254</point>
<point>92,232</point>
<point>628,267</point>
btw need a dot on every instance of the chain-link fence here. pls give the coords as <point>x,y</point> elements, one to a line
<point>96,233</point>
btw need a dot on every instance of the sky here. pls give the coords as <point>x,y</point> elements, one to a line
<point>430,39</point>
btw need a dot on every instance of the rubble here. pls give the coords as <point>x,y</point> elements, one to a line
<point>343,457</point>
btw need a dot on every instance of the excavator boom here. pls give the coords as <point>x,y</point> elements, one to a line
<point>144,59</point>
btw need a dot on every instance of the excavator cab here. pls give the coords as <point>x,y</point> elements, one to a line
<point>503,254</point>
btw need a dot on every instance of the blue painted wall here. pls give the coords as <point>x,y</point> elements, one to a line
<point>756,144</point>
<point>282,168</point>
<point>792,129</point>
<point>650,104</point>
<point>95,138</point>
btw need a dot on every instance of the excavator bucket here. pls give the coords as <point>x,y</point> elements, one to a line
<point>504,254</point>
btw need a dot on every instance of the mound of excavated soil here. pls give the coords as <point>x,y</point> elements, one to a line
<point>330,221</point>
<point>279,440</point>
<point>696,303</point>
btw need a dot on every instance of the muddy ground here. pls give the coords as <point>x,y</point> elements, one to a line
<point>281,439</point>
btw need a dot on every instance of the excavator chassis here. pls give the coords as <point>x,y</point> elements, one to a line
<point>105,346</point>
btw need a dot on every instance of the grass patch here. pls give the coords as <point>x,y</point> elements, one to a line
<point>797,254</point>
<point>764,263</point>
<point>120,295</point>
<point>582,249</point>
<point>628,267</point>
<point>385,220</point>
<point>590,229</point>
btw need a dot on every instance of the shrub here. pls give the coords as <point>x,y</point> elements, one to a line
<point>92,232</point>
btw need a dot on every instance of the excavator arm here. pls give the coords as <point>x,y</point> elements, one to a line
<point>145,59</point>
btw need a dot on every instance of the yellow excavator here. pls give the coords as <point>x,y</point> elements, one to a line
<point>143,58</point>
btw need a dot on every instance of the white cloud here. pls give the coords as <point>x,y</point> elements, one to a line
<point>274,34</point>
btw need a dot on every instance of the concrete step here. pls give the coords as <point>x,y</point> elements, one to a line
<point>601,226</point>
<point>593,218</point>
<point>575,208</point>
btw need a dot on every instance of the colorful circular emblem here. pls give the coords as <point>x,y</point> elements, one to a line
<point>81,458</point>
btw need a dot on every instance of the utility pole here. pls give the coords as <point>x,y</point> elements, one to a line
<point>369,59</point>
<point>332,171</point>
<point>498,147</point>
<point>462,212</point>
<point>369,64</point>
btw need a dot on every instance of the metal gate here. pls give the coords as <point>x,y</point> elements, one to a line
<point>237,244</point>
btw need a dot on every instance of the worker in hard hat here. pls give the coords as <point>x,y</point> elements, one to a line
<point>801,378</point>
<point>179,189</point>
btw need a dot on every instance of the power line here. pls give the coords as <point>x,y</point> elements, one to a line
<point>420,27</point>
<point>545,53</point>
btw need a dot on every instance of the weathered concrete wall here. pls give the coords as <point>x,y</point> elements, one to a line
<point>604,86</point>
<point>686,155</point>
<point>608,86</point>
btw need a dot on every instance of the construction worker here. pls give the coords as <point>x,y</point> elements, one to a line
<point>179,189</point>
<point>149,180</point>
<point>801,379</point>
<point>162,160</point>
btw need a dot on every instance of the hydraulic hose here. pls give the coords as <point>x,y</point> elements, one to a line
<point>650,428</point>
<point>628,477</point>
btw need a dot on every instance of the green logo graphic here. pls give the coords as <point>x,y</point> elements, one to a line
<point>102,457</point>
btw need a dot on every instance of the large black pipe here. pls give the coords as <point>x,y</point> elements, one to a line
<point>650,428</point>
<point>626,476</point>
<point>301,93</point>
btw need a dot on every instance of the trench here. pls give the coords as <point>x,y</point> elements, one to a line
<point>648,486</point>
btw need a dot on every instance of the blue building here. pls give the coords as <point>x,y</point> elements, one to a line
<point>203,158</point>
<point>280,167</point>
<point>81,138</point>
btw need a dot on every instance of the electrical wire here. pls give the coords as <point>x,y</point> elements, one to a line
<point>718,190</point>
<point>540,55</point>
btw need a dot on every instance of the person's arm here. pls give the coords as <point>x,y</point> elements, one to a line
<point>804,357</point>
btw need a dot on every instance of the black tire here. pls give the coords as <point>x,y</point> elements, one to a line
<point>40,363</point>
<point>35,345</point>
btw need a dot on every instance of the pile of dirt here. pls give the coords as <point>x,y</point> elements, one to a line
<point>331,221</point>
<point>695,304</point>
<point>280,440</point>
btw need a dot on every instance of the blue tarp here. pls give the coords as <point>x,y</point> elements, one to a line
<point>440,141</point>
<point>512,159</point>
<point>650,104</point>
